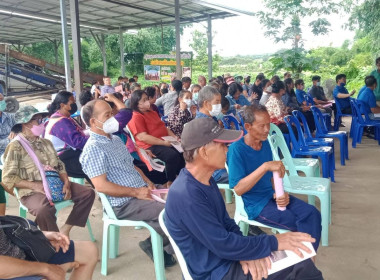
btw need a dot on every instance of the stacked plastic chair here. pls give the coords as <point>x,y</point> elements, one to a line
<point>302,149</point>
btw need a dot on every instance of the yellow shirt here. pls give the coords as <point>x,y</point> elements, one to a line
<point>18,165</point>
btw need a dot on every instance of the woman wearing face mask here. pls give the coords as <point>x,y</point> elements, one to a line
<point>66,134</point>
<point>195,91</point>
<point>235,97</point>
<point>277,109</point>
<point>147,128</point>
<point>182,113</point>
<point>20,171</point>
<point>267,90</point>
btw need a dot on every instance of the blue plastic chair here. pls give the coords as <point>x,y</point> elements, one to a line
<point>240,116</point>
<point>301,148</point>
<point>227,120</point>
<point>322,132</point>
<point>317,142</point>
<point>110,246</point>
<point>161,110</point>
<point>326,116</point>
<point>310,186</point>
<point>165,120</point>
<point>339,115</point>
<point>361,122</point>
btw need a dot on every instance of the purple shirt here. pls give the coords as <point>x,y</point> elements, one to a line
<point>107,89</point>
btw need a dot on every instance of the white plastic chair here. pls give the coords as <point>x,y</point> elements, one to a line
<point>180,258</point>
<point>110,246</point>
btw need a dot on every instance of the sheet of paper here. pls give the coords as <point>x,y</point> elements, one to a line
<point>151,162</point>
<point>327,105</point>
<point>283,259</point>
<point>174,142</point>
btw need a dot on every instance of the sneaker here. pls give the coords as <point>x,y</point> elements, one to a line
<point>146,246</point>
<point>254,230</point>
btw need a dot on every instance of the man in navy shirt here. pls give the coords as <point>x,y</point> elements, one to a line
<point>341,94</point>
<point>196,217</point>
<point>367,96</point>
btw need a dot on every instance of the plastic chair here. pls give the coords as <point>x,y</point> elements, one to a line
<point>317,142</point>
<point>322,132</point>
<point>227,120</point>
<point>310,186</point>
<point>165,119</point>
<point>301,148</point>
<point>309,166</point>
<point>58,206</point>
<point>326,116</point>
<point>227,192</point>
<point>339,115</point>
<point>361,122</point>
<point>241,218</point>
<point>110,246</point>
<point>240,116</point>
<point>181,260</point>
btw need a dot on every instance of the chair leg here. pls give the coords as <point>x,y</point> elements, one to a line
<point>105,246</point>
<point>158,255</point>
<point>342,143</point>
<point>331,160</point>
<point>325,220</point>
<point>346,146</point>
<point>325,166</point>
<point>114,241</point>
<point>243,227</point>
<point>228,194</point>
<point>90,230</point>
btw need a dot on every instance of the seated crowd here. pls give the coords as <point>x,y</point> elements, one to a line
<point>119,124</point>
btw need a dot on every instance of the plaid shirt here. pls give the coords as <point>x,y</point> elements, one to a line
<point>7,121</point>
<point>102,155</point>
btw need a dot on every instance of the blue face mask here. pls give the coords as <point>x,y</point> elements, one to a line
<point>3,105</point>
<point>342,84</point>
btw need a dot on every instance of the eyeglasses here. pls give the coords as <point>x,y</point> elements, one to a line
<point>39,120</point>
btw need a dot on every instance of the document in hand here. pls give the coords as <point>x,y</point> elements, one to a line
<point>174,142</point>
<point>283,259</point>
<point>150,163</point>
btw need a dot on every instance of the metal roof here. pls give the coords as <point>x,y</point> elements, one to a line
<point>28,21</point>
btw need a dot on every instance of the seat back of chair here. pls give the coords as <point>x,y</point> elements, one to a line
<point>126,129</point>
<point>227,120</point>
<point>277,142</point>
<point>356,105</point>
<point>107,206</point>
<point>309,100</point>
<point>240,116</point>
<point>178,253</point>
<point>305,126</point>
<point>319,121</point>
<point>299,143</point>
<point>165,119</point>
<point>337,105</point>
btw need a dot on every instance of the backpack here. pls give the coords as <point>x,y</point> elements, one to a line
<point>27,237</point>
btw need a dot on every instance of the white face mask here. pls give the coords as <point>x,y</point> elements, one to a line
<point>188,102</point>
<point>318,83</point>
<point>216,110</point>
<point>110,126</point>
<point>195,96</point>
<point>269,89</point>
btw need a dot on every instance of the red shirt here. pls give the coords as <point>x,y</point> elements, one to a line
<point>148,122</point>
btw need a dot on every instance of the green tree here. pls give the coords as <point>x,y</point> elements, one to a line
<point>283,19</point>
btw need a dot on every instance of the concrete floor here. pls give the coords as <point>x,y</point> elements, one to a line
<point>354,251</point>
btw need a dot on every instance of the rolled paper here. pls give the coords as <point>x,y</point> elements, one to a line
<point>278,187</point>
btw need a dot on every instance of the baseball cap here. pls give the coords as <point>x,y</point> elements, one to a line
<point>26,113</point>
<point>230,80</point>
<point>202,131</point>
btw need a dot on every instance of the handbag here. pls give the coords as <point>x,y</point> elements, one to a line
<point>53,185</point>
<point>27,237</point>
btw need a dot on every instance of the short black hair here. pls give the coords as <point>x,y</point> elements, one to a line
<point>299,82</point>
<point>186,80</point>
<point>234,88</point>
<point>277,86</point>
<point>150,91</point>
<point>264,83</point>
<point>316,78</point>
<point>61,97</point>
<point>370,81</point>
<point>120,78</point>
<point>135,99</point>
<point>260,77</point>
<point>177,85</point>
<point>84,97</point>
<point>288,81</point>
<point>131,80</point>
<point>339,76</point>
<point>377,60</point>
<point>135,76</point>
<point>225,103</point>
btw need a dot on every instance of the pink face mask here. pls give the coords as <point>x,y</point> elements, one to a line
<point>37,130</point>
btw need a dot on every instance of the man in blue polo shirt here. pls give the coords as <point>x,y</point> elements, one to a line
<point>376,74</point>
<point>368,98</point>
<point>341,94</point>
<point>196,217</point>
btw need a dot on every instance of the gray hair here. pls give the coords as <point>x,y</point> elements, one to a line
<point>88,111</point>
<point>249,112</point>
<point>134,86</point>
<point>207,93</point>
<point>191,155</point>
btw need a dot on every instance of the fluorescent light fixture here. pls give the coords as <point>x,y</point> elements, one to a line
<point>220,7</point>
<point>44,19</point>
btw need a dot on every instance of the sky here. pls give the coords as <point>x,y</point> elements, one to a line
<point>244,35</point>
